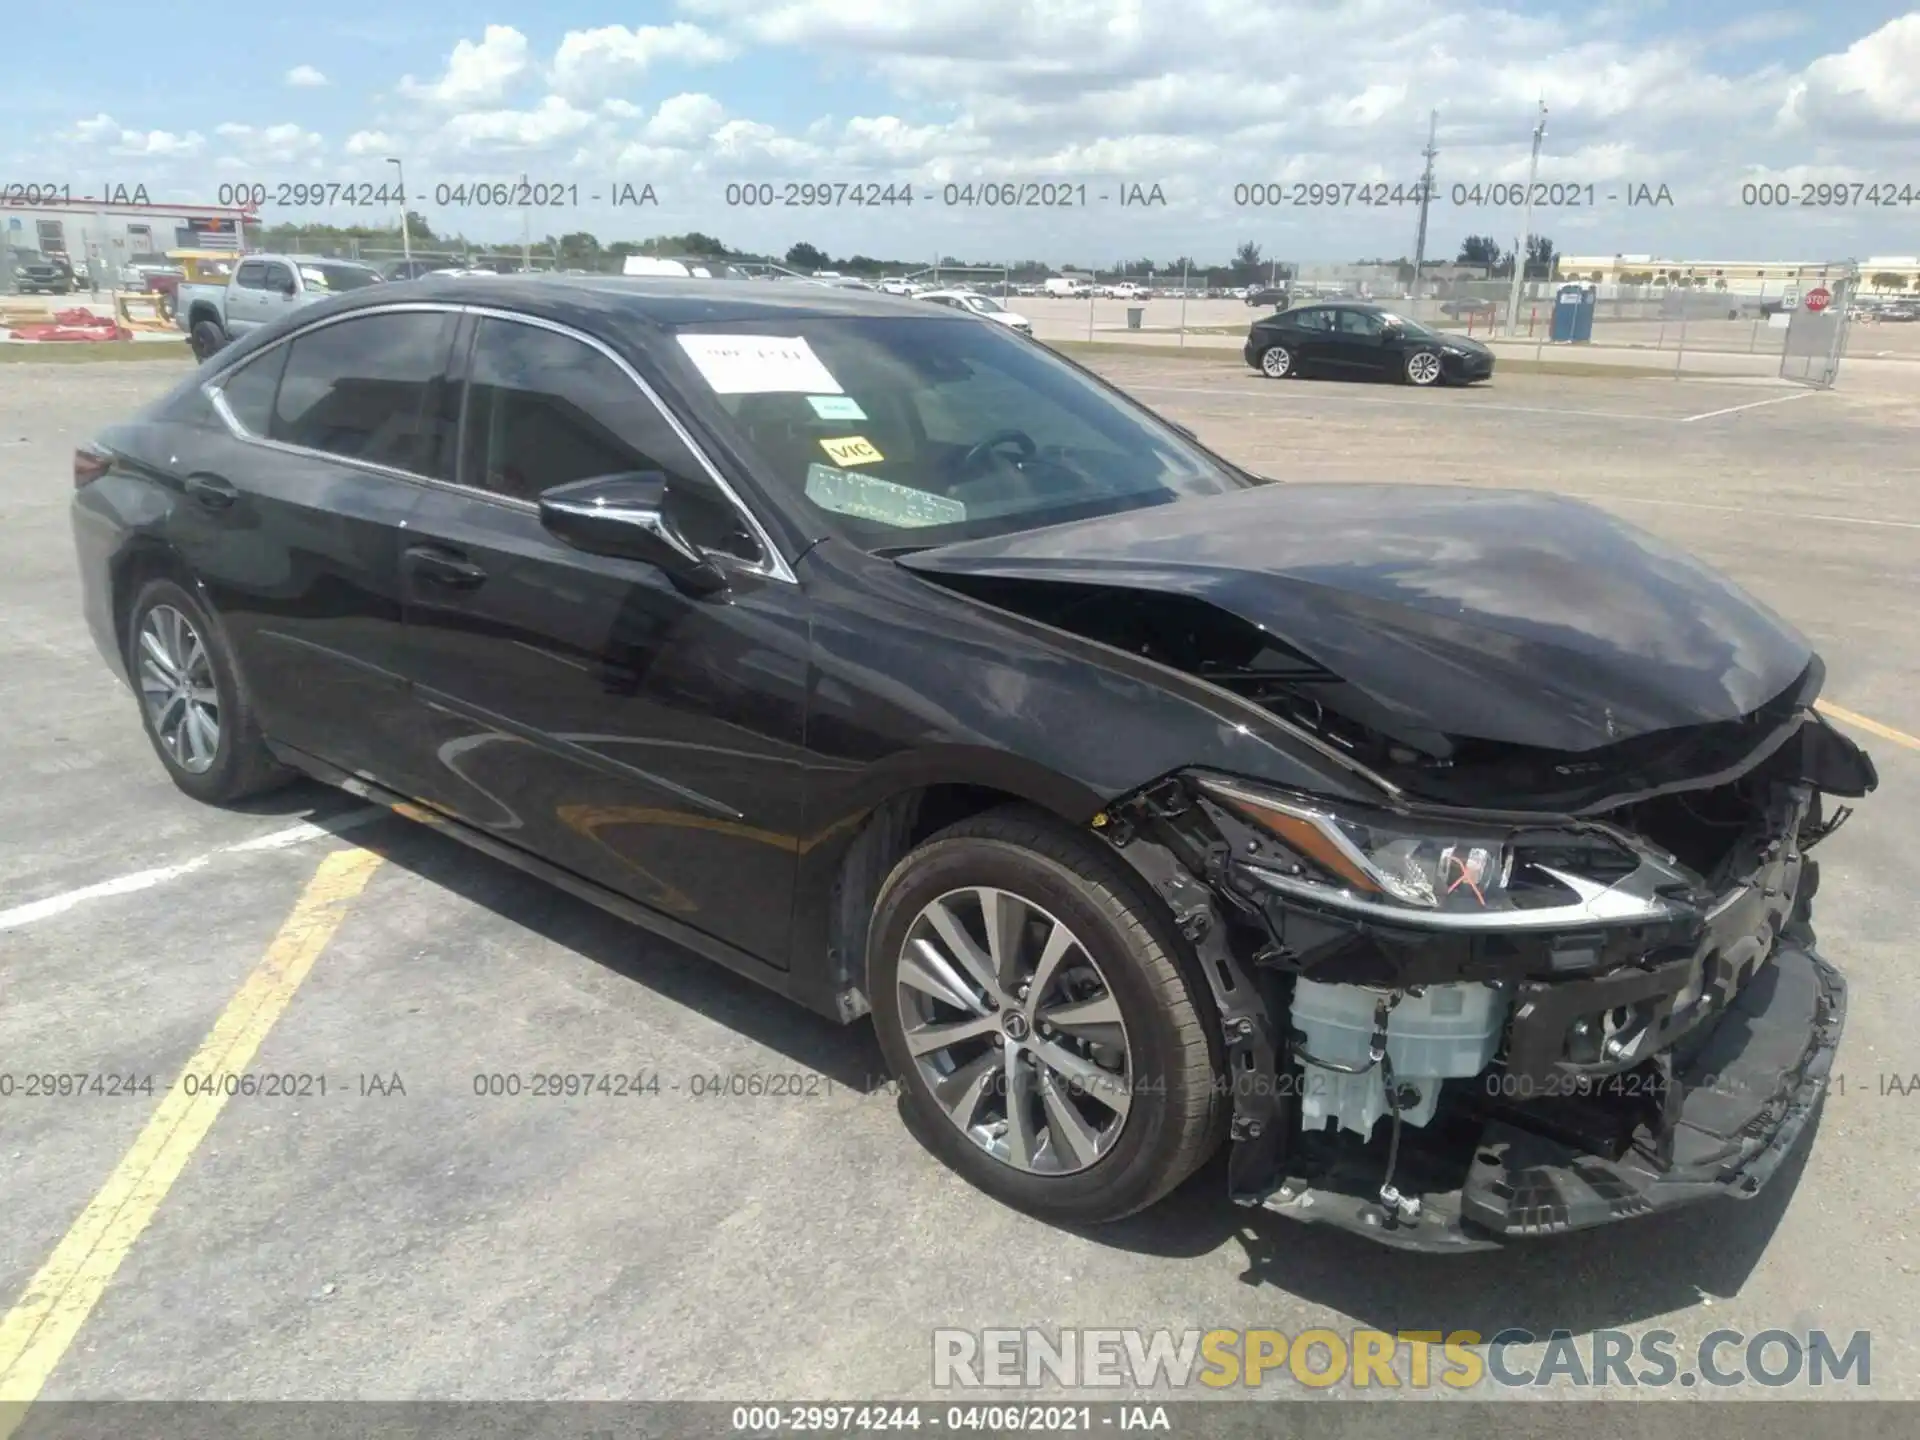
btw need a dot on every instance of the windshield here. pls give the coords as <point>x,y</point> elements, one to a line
<point>904,431</point>
<point>338,277</point>
<point>982,305</point>
<point>1411,327</point>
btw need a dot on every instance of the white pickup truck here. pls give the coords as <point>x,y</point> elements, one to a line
<point>261,289</point>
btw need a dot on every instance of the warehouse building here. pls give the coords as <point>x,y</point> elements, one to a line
<point>107,236</point>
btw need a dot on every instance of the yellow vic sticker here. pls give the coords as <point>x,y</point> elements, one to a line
<point>851,450</point>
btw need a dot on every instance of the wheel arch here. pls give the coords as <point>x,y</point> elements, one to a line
<point>895,812</point>
<point>147,559</point>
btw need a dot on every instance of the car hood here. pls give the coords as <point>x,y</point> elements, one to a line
<point>1500,615</point>
<point>1462,342</point>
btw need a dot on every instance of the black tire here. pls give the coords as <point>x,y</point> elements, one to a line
<point>1177,1111</point>
<point>242,765</point>
<point>1277,363</point>
<point>208,339</point>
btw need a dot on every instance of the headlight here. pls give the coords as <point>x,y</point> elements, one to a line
<point>1454,350</point>
<point>1455,875</point>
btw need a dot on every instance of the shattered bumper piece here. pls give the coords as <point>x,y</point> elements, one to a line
<point>1747,1094</point>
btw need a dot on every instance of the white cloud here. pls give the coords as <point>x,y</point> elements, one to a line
<point>591,62</point>
<point>100,127</point>
<point>1873,85</point>
<point>369,142</point>
<point>621,109</point>
<point>305,77</point>
<point>685,121</point>
<point>251,146</point>
<point>476,74</point>
<point>553,120</point>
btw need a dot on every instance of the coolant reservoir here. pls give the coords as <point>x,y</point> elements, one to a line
<point>1446,1032</point>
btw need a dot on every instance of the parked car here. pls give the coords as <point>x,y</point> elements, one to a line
<point>413,269</point>
<point>1399,837</point>
<point>1356,340</point>
<point>35,274</point>
<point>1901,312</point>
<point>260,290</point>
<point>981,305</point>
<point>1274,295</point>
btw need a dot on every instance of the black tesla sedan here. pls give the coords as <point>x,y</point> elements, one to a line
<point>1360,340</point>
<point>1443,852</point>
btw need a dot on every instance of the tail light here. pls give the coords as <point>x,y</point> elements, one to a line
<point>89,464</point>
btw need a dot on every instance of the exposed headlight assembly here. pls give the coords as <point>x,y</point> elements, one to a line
<point>1450,875</point>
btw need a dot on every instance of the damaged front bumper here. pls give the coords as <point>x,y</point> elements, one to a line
<point>1733,1111</point>
<point>1632,1067</point>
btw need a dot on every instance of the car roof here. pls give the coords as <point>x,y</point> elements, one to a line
<point>662,299</point>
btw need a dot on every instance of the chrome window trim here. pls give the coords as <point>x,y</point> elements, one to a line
<point>774,567</point>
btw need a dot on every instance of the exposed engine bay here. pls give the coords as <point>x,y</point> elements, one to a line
<point>1561,970</point>
<point>1514,1030</point>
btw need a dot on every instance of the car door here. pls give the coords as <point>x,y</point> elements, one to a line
<point>293,520</point>
<point>246,297</point>
<point>580,706</point>
<point>1310,334</point>
<point>1359,342</point>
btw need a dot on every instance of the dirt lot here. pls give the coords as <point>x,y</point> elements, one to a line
<point>435,1243</point>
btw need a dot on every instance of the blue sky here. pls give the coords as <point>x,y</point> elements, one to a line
<point>694,96</point>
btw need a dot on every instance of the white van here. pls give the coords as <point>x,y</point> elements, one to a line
<point>1068,285</point>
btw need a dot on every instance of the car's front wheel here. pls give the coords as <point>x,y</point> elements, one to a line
<point>1276,362</point>
<point>192,700</point>
<point>1043,1019</point>
<point>1423,367</point>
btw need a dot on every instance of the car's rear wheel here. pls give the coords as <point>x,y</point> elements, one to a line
<point>192,700</point>
<point>207,339</point>
<point>1423,367</point>
<point>1043,1019</point>
<point>1276,362</point>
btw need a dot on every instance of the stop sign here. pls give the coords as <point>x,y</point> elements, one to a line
<point>1817,299</point>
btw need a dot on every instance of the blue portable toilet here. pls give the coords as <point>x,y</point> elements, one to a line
<point>1573,314</point>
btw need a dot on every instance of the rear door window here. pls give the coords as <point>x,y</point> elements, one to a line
<point>249,391</point>
<point>372,389</point>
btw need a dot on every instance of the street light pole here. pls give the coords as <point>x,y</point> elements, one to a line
<point>1526,242</point>
<point>406,231</point>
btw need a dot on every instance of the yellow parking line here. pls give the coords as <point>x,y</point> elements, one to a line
<point>1847,717</point>
<point>40,1327</point>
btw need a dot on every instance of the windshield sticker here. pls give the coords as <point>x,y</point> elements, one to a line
<point>852,450</point>
<point>836,407</point>
<point>867,497</point>
<point>316,278</point>
<point>759,364</point>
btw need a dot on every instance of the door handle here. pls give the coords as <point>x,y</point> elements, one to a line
<point>448,568</point>
<point>211,491</point>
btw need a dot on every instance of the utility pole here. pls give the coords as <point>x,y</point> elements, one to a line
<point>1426,199</point>
<point>406,231</point>
<point>1520,252</point>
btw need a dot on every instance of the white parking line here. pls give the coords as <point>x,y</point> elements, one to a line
<point>299,834</point>
<point>1473,406</point>
<point>1755,405</point>
<point>1743,510</point>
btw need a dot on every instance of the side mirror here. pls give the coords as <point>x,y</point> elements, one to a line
<point>624,516</point>
<point>288,286</point>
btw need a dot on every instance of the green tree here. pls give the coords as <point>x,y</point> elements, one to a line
<point>1482,250</point>
<point>803,256</point>
<point>1888,280</point>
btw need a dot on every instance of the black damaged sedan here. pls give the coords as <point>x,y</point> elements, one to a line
<point>1444,853</point>
<point>1357,340</point>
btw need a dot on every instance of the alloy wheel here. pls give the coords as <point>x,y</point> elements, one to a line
<point>1015,1030</point>
<point>1423,367</point>
<point>176,685</point>
<point>1276,362</point>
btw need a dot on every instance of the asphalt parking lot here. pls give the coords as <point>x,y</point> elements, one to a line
<point>401,1236</point>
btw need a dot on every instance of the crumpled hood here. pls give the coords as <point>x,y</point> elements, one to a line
<point>1501,615</point>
